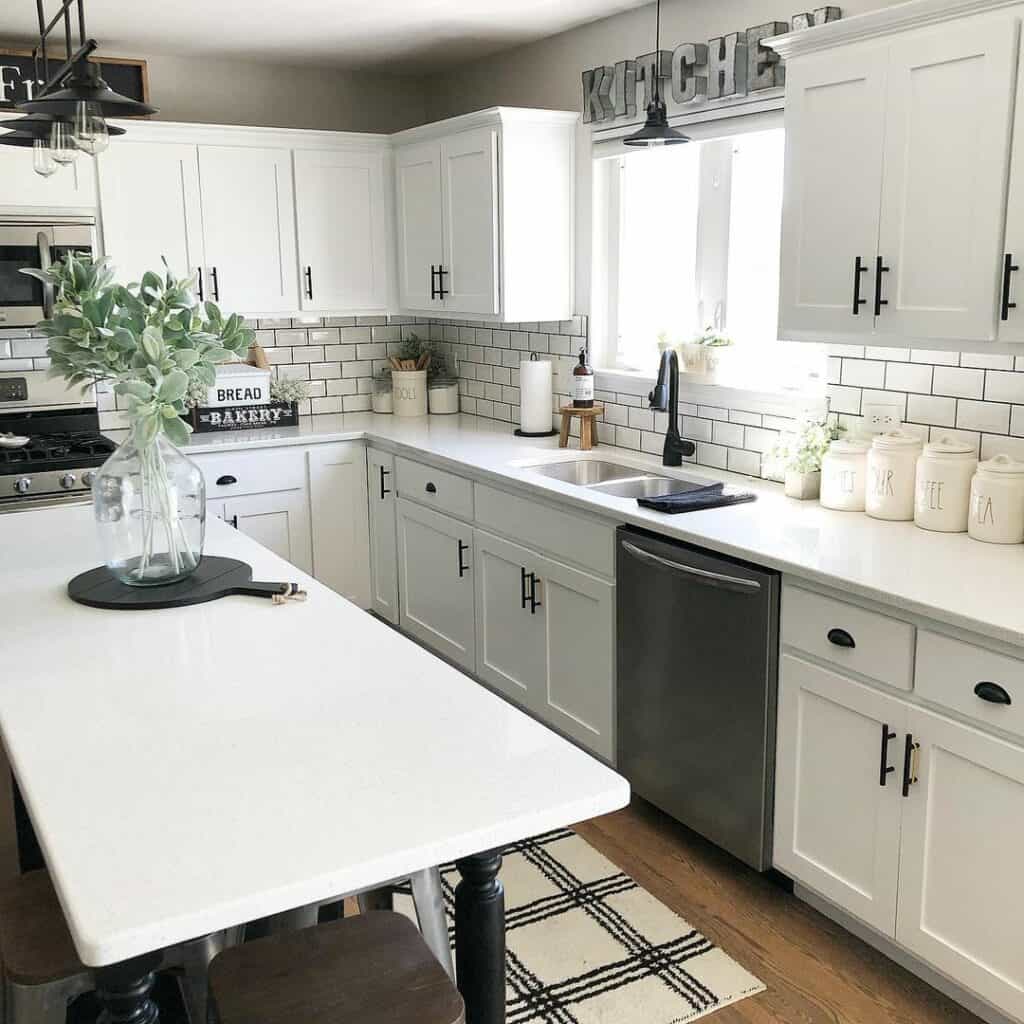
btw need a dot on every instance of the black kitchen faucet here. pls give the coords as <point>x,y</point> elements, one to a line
<point>665,398</point>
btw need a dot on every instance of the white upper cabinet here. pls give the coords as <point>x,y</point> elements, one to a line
<point>248,226</point>
<point>1011,284</point>
<point>341,215</point>
<point>21,189</point>
<point>897,158</point>
<point>485,215</point>
<point>156,184</point>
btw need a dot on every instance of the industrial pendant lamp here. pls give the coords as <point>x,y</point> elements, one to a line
<point>656,130</point>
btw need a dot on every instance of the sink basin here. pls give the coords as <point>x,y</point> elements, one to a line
<point>646,487</point>
<point>587,472</point>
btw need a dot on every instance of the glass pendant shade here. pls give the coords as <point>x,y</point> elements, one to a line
<point>42,158</point>
<point>656,130</point>
<point>90,132</point>
<point>62,143</point>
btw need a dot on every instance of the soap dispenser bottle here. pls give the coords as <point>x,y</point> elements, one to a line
<point>582,383</point>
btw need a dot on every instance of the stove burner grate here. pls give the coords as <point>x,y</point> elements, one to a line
<point>50,451</point>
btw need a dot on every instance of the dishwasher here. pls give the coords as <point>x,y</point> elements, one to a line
<point>696,688</point>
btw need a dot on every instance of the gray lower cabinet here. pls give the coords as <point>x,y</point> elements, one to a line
<point>545,639</point>
<point>380,488</point>
<point>435,581</point>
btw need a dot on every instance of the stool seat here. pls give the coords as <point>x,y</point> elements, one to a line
<point>35,944</point>
<point>370,969</point>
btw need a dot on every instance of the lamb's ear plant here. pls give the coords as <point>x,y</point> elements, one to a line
<point>151,339</point>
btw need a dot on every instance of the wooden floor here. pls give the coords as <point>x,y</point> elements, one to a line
<point>815,972</point>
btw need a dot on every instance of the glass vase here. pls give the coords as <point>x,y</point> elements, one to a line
<point>150,506</point>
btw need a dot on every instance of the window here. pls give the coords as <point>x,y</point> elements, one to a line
<point>689,241</point>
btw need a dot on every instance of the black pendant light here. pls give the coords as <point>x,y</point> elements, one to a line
<point>86,86</point>
<point>41,125</point>
<point>17,139</point>
<point>656,130</point>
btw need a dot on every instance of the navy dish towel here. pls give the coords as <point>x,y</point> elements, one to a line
<point>713,496</point>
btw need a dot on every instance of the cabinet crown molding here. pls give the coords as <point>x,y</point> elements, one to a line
<point>880,23</point>
<point>485,118</point>
<point>192,133</point>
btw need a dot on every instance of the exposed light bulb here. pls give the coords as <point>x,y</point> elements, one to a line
<point>90,129</point>
<point>42,159</point>
<point>62,143</point>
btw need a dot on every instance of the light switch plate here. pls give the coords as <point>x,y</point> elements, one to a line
<point>881,418</point>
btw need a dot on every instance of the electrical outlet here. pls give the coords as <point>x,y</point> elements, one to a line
<point>881,418</point>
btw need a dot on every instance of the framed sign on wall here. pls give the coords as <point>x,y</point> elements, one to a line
<point>18,84</point>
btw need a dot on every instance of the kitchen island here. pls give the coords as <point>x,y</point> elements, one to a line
<point>188,770</point>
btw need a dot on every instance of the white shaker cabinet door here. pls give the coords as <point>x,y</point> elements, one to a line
<point>154,184</point>
<point>249,229</point>
<point>21,189</point>
<point>837,827</point>
<point>469,166</point>
<point>337,500</point>
<point>947,150</point>
<point>279,520</point>
<point>418,216</point>
<point>380,485</point>
<point>835,126</point>
<point>435,582</point>
<point>1011,295</point>
<point>961,904</point>
<point>342,230</point>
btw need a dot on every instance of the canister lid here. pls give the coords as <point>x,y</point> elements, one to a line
<point>950,448</point>
<point>849,446</point>
<point>1002,465</point>
<point>897,441</point>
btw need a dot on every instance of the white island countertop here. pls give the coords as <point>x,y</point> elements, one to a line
<point>948,577</point>
<point>193,768</point>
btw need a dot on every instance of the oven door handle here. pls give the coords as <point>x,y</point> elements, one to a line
<point>45,262</point>
<point>715,579</point>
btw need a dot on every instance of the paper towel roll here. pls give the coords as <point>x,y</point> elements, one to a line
<point>535,396</point>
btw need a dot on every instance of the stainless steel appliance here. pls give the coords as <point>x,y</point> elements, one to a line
<point>64,445</point>
<point>697,678</point>
<point>34,242</point>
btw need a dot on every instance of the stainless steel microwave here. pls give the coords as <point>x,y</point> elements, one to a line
<point>36,242</point>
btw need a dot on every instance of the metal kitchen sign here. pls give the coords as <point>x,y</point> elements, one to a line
<point>723,68</point>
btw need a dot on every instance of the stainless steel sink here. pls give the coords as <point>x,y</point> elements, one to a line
<point>587,472</point>
<point>646,487</point>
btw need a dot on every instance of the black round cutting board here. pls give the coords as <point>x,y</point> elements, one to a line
<point>214,578</point>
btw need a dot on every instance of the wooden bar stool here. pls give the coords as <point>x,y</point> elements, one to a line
<point>370,969</point>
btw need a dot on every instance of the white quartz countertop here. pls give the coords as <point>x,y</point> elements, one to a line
<point>949,577</point>
<point>193,768</point>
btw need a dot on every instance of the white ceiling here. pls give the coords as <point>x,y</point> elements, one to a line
<point>395,36</point>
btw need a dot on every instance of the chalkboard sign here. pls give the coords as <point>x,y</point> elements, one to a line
<point>127,77</point>
<point>207,420</point>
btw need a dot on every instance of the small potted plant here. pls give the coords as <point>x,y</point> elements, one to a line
<point>797,456</point>
<point>712,345</point>
<point>289,391</point>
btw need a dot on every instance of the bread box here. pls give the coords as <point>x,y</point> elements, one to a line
<point>239,384</point>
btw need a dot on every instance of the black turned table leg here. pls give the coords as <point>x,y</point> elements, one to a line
<point>480,938</point>
<point>124,991</point>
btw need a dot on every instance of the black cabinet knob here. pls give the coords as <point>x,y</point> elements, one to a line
<point>992,692</point>
<point>226,480</point>
<point>841,638</point>
<point>431,489</point>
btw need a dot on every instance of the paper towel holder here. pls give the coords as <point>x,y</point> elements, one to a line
<point>539,433</point>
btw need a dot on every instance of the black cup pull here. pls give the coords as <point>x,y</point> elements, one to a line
<point>910,763</point>
<point>1009,267</point>
<point>992,692</point>
<point>880,269</point>
<point>841,638</point>
<point>524,596</point>
<point>884,768</point>
<point>431,488</point>
<point>226,481</point>
<point>383,490</point>
<point>534,603</point>
<point>463,568</point>
<point>858,269</point>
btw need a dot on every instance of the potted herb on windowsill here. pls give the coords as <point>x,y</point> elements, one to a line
<point>797,456</point>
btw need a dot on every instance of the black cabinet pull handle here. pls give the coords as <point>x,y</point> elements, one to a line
<point>1009,267</point>
<point>309,282</point>
<point>383,490</point>
<point>910,763</point>
<point>880,269</point>
<point>463,569</point>
<point>431,489</point>
<point>841,638</point>
<point>199,281</point>
<point>433,286</point>
<point>234,521</point>
<point>216,284</point>
<point>524,597</point>
<point>858,269</point>
<point>442,292</point>
<point>992,692</point>
<point>884,768</point>
<point>534,603</point>
<point>226,481</point>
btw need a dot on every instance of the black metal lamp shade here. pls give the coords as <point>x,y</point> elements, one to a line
<point>17,139</point>
<point>656,130</point>
<point>86,88</point>
<point>39,125</point>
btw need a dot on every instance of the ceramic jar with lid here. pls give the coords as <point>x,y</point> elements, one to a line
<point>892,471</point>
<point>997,502</point>
<point>943,490</point>
<point>844,470</point>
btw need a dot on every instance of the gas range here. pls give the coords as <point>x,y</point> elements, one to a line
<point>56,465</point>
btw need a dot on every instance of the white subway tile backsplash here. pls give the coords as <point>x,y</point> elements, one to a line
<point>1003,386</point>
<point>712,455</point>
<point>931,409</point>
<point>627,437</point>
<point>988,417</point>
<point>1017,420</point>
<point>730,434</point>
<point>993,444</point>
<point>696,429</point>
<point>890,355</point>
<point>642,419</point>
<point>863,373</point>
<point>957,382</point>
<point>747,463</point>
<point>748,419</point>
<point>920,355</point>
<point>986,361</point>
<point>756,439</point>
<point>909,377</point>
<point>842,399</point>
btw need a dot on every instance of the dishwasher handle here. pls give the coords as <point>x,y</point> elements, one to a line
<point>714,579</point>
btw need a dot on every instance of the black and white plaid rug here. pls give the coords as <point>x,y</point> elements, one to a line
<point>588,945</point>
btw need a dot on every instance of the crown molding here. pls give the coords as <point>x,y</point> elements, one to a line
<point>485,118</point>
<point>147,130</point>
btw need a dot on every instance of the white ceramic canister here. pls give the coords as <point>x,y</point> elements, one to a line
<point>942,493</point>
<point>997,502</point>
<point>892,471</point>
<point>844,471</point>
<point>443,397</point>
<point>409,392</point>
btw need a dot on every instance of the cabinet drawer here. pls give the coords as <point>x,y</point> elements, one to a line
<point>252,472</point>
<point>950,672</point>
<point>434,488</point>
<point>848,636</point>
<point>577,539</point>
